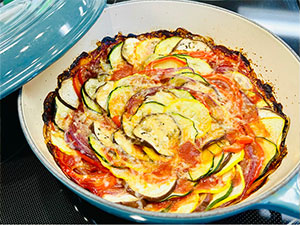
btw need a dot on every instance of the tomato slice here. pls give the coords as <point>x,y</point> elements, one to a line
<point>117,120</point>
<point>235,147</point>
<point>77,85</point>
<point>166,62</point>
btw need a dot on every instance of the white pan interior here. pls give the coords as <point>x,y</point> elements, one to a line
<point>275,63</point>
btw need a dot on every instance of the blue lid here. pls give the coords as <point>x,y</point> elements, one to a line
<point>35,33</point>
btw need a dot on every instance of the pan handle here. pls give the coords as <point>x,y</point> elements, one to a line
<point>286,200</point>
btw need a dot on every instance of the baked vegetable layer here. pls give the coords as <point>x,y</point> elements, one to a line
<point>166,122</point>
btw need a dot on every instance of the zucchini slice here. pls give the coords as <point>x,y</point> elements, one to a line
<point>273,125</point>
<point>57,139</point>
<point>180,93</point>
<point>68,95</point>
<point>91,86</point>
<point>139,81</point>
<point>193,110</point>
<point>194,76</point>
<point>190,45</point>
<point>203,167</point>
<point>218,159</point>
<point>186,204</point>
<point>115,57</point>
<point>104,154</point>
<point>117,100</point>
<point>120,197</point>
<point>166,46</point>
<point>128,50</point>
<point>233,192</point>
<point>187,127</point>
<point>150,189</point>
<point>160,131</point>
<point>198,65</point>
<point>103,92</point>
<point>89,102</point>
<point>270,153</point>
<point>144,49</point>
<point>267,113</point>
<point>61,114</point>
<point>234,160</point>
<point>128,146</point>
<point>163,97</point>
<point>104,134</point>
<point>217,184</point>
<point>154,155</point>
<point>243,81</point>
<point>145,109</point>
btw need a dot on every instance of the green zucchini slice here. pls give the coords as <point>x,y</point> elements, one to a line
<point>270,152</point>
<point>160,131</point>
<point>115,57</point>
<point>190,45</point>
<point>187,127</point>
<point>150,189</point>
<point>198,65</point>
<point>234,160</point>
<point>235,190</point>
<point>117,100</point>
<point>120,197</point>
<point>166,46</point>
<point>186,204</point>
<point>128,146</point>
<point>68,95</point>
<point>163,97</point>
<point>139,81</point>
<point>61,114</point>
<point>193,110</point>
<point>204,167</point>
<point>180,93</point>
<point>105,156</point>
<point>144,49</point>
<point>273,123</point>
<point>104,134</point>
<point>128,50</point>
<point>89,102</point>
<point>91,86</point>
<point>145,109</point>
<point>103,92</point>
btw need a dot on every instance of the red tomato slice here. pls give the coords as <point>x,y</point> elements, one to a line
<point>77,85</point>
<point>164,62</point>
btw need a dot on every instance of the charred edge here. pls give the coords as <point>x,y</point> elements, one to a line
<point>268,92</point>
<point>76,61</point>
<point>49,108</point>
<point>64,76</point>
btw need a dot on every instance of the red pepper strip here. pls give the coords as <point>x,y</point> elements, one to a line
<point>237,97</point>
<point>201,54</point>
<point>244,140</point>
<point>156,63</point>
<point>235,147</point>
<point>117,121</point>
<point>77,85</point>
